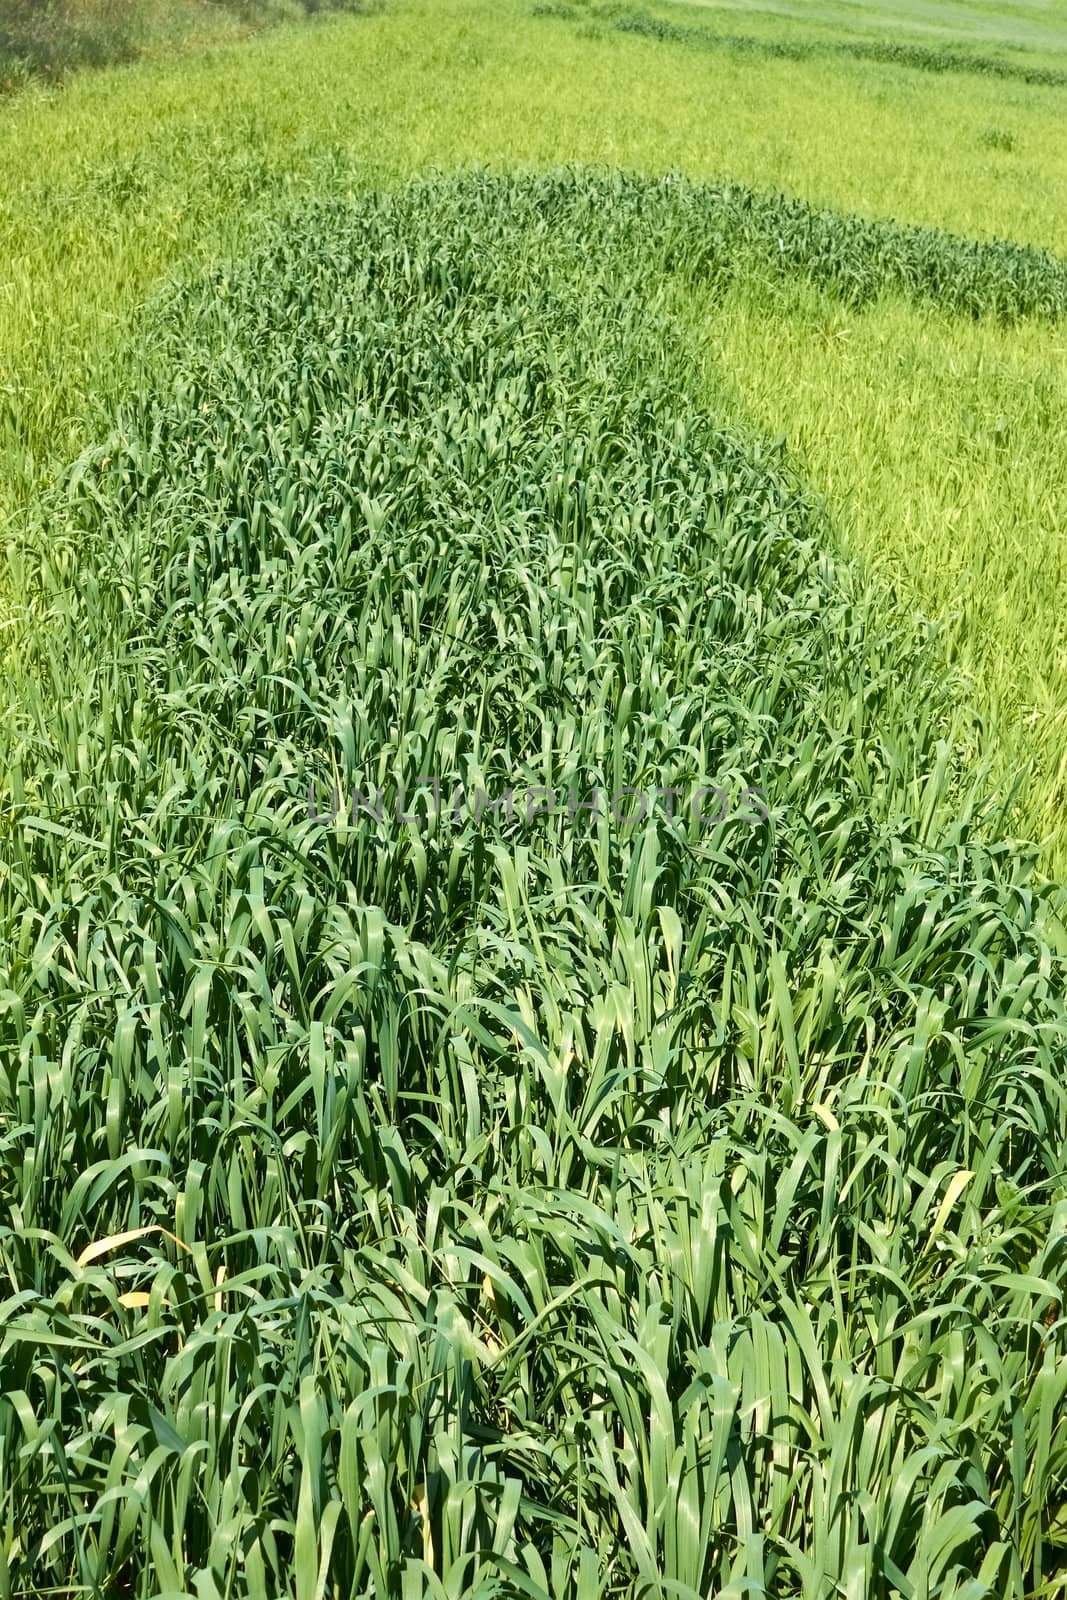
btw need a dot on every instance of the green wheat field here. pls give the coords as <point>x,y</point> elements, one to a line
<point>533,799</point>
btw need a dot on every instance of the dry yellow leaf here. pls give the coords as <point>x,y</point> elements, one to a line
<point>115,1241</point>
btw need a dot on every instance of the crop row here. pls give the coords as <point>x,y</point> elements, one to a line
<point>925,58</point>
<point>475,1206</point>
<point>726,230</point>
<point>713,234</point>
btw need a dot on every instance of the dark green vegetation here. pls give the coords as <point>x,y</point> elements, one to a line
<point>54,36</point>
<point>717,234</point>
<point>548,1209</point>
<point>891,52</point>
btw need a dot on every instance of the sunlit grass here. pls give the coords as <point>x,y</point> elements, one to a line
<point>123,175</point>
<point>543,1207</point>
<point>539,1206</point>
<point>940,446</point>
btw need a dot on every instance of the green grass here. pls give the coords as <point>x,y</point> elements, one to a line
<point>539,1205</point>
<point>533,1205</point>
<point>946,474</point>
<point>892,52</point>
<point>126,173</point>
<point>1025,26</point>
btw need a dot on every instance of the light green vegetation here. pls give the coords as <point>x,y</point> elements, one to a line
<point>942,448</point>
<point>949,472</point>
<point>122,175</point>
<point>126,173</point>
<point>775,43</point>
<point>409,1211</point>
<point>152,155</point>
<point>527,1205</point>
<point>1024,26</point>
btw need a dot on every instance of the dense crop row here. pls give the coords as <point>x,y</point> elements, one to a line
<point>713,234</point>
<point>723,231</point>
<point>541,1202</point>
<point>891,52</point>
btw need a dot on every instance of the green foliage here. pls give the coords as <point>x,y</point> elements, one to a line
<point>55,36</point>
<point>726,231</point>
<point>997,139</point>
<point>562,1209</point>
<point>890,52</point>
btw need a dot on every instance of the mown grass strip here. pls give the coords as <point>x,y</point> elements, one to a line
<point>558,1202</point>
<point>890,52</point>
